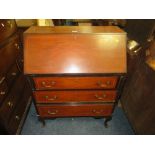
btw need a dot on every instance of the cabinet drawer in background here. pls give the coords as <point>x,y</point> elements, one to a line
<point>74,110</point>
<point>11,100</point>
<point>19,111</point>
<point>3,89</point>
<point>74,96</point>
<point>9,54</point>
<point>75,82</point>
<point>12,74</point>
<point>7,28</point>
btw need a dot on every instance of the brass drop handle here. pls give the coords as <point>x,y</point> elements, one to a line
<point>10,104</point>
<point>101,84</point>
<point>2,24</point>
<point>17,117</point>
<point>51,99</point>
<point>17,46</point>
<point>97,112</point>
<point>2,79</point>
<point>101,97</point>
<point>53,113</point>
<point>48,86</point>
<point>13,73</point>
<point>2,92</point>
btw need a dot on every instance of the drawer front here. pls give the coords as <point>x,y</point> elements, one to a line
<point>76,82</point>
<point>9,54</point>
<point>12,74</point>
<point>80,110</point>
<point>3,89</point>
<point>18,114</point>
<point>74,96</point>
<point>7,28</point>
<point>12,99</point>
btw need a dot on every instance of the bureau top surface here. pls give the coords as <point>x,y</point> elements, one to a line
<point>74,50</point>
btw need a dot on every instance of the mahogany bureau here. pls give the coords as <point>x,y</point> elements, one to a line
<point>75,70</point>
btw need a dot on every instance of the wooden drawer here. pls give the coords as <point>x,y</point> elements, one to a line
<point>12,99</point>
<point>9,54</point>
<point>7,28</point>
<point>74,96</point>
<point>75,82</point>
<point>74,110</point>
<point>18,113</point>
<point>3,89</point>
<point>12,74</point>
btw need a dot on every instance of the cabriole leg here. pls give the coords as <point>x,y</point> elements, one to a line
<point>107,119</point>
<point>42,121</point>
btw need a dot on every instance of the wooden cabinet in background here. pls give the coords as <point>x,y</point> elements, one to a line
<point>15,95</point>
<point>138,97</point>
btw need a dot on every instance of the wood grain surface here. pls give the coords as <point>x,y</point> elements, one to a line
<point>77,53</point>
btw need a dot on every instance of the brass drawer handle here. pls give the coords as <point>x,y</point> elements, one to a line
<point>2,92</point>
<point>97,112</point>
<point>17,46</point>
<point>52,113</point>
<point>13,73</point>
<point>17,117</point>
<point>2,79</point>
<point>10,104</point>
<point>48,86</point>
<point>101,97</point>
<point>2,24</point>
<point>101,84</point>
<point>51,99</point>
